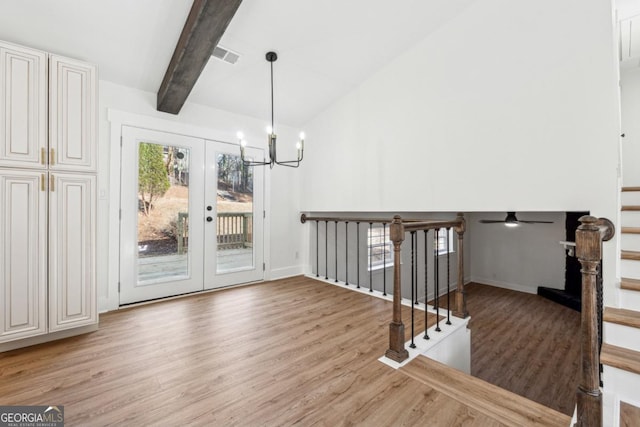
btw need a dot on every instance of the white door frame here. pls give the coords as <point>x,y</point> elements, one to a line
<point>117,119</point>
<point>132,290</point>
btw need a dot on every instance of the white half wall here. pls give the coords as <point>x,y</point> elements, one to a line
<point>283,231</point>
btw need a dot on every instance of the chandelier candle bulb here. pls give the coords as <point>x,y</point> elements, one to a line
<point>271,57</point>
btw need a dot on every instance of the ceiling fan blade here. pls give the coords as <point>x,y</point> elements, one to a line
<point>536,222</point>
<point>491,221</point>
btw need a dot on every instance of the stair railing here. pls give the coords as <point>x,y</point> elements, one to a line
<point>589,237</point>
<point>338,239</point>
<point>398,228</point>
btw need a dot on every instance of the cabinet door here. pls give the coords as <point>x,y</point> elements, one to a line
<point>23,245</point>
<point>72,115</point>
<point>23,107</point>
<point>72,282</point>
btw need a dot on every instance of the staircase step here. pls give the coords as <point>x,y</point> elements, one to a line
<point>630,218</point>
<point>495,402</point>
<point>630,284</point>
<point>622,327</point>
<point>620,357</point>
<point>631,255</point>
<point>631,230</point>
<point>630,241</point>
<point>629,268</point>
<point>630,188</point>
<point>622,316</point>
<point>629,299</point>
<point>631,208</point>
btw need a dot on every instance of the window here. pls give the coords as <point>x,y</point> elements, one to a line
<point>443,236</point>
<point>380,248</point>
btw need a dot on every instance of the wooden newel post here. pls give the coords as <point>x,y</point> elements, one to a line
<point>589,253</point>
<point>461,295</point>
<point>396,349</point>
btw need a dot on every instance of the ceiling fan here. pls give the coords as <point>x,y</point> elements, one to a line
<point>512,221</point>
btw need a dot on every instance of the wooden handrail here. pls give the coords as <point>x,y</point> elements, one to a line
<point>410,224</point>
<point>589,237</point>
<point>304,218</point>
<point>432,224</point>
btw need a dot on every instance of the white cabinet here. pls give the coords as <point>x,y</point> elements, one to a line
<point>23,107</point>
<point>47,195</point>
<point>72,217</point>
<point>72,115</point>
<point>23,254</point>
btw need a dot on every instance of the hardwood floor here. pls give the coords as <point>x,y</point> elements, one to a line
<point>525,344</point>
<point>293,351</point>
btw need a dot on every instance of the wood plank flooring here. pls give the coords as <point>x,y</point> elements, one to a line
<point>294,351</point>
<point>525,344</point>
<point>491,400</point>
<point>629,415</point>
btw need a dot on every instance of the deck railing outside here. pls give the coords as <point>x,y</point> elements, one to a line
<point>234,230</point>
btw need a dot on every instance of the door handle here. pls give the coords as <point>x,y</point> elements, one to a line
<point>209,219</point>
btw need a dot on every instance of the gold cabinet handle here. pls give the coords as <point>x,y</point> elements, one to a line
<point>52,183</point>
<point>42,182</point>
<point>52,159</point>
<point>43,156</point>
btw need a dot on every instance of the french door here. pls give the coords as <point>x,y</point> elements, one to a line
<point>191,216</point>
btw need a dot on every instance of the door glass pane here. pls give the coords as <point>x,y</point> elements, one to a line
<point>234,227</point>
<point>163,212</point>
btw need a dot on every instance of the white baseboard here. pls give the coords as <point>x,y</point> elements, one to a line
<point>282,273</point>
<point>505,285</point>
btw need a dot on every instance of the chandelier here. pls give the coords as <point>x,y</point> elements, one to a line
<point>273,159</point>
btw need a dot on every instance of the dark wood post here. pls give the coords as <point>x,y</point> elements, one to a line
<point>589,236</point>
<point>461,295</point>
<point>396,349</point>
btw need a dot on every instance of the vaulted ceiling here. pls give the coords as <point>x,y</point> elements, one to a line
<point>325,47</point>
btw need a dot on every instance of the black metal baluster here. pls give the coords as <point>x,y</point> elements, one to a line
<point>413,282</point>
<point>358,253</point>
<point>448,280</point>
<point>599,303</point>
<point>384,262</point>
<point>346,253</point>
<point>336,242</point>
<point>317,250</point>
<point>326,250</point>
<point>426,294</point>
<point>370,265</point>
<point>415,301</point>
<point>436,274</point>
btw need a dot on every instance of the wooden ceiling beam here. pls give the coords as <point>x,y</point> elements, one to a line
<point>206,23</point>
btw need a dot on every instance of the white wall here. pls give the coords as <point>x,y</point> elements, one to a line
<point>510,106</point>
<point>630,101</point>
<point>519,258</point>
<point>282,200</point>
